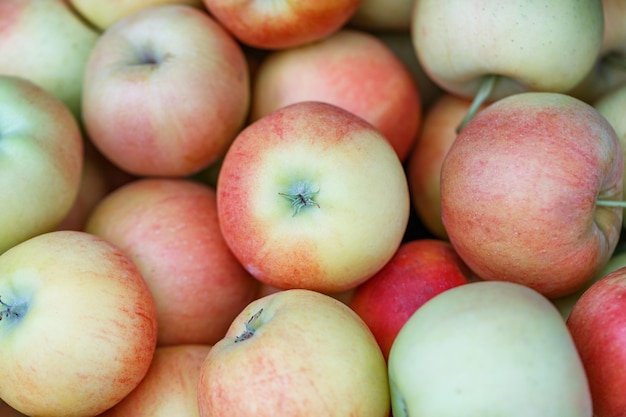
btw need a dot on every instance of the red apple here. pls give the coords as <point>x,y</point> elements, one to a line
<point>351,69</point>
<point>312,196</point>
<point>525,188</point>
<point>170,229</point>
<point>418,271</point>
<point>170,388</point>
<point>283,23</point>
<point>597,323</point>
<point>166,91</point>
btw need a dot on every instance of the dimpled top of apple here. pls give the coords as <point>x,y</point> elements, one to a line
<point>519,189</point>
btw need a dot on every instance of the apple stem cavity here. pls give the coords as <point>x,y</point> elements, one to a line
<point>10,311</point>
<point>486,87</point>
<point>251,327</point>
<point>611,203</point>
<point>301,195</point>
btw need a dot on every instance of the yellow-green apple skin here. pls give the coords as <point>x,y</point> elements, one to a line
<point>295,353</point>
<point>169,228</point>
<point>351,180</point>
<point>612,105</point>
<point>519,192</point>
<point>487,349</point>
<point>184,77</point>
<point>104,13</point>
<point>42,149</point>
<point>78,329</point>
<point>351,69</point>
<point>459,42</point>
<point>46,42</point>
<point>170,388</point>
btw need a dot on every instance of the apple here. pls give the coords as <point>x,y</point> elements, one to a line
<point>104,13</point>
<point>78,325</point>
<point>611,105</point>
<point>438,133</point>
<point>47,43</point>
<point>489,50</point>
<point>419,270</point>
<point>42,149</point>
<point>165,101</point>
<point>527,190</point>
<point>169,228</point>
<point>598,328</point>
<point>351,69</point>
<point>312,196</point>
<point>283,23</point>
<point>170,388</point>
<point>487,349</point>
<point>295,353</point>
<point>383,16</point>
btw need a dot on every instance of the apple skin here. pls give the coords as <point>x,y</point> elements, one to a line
<point>438,133</point>
<point>309,355</point>
<point>419,270</point>
<point>351,69</point>
<point>42,147</point>
<point>170,388</point>
<point>611,105</point>
<point>187,83</point>
<point>86,328</point>
<point>519,188</point>
<point>487,348</point>
<point>48,44</point>
<point>170,229</point>
<point>283,25</point>
<point>104,13</point>
<point>597,325</point>
<point>360,207</point>
<point>461,42</point>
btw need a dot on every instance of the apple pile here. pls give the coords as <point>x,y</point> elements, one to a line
<point>330,208</point>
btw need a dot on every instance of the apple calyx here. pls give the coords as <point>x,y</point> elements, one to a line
<point>486,87</point>
<point>251,327</point>
<point>301,195</point>
<point>10,311</point>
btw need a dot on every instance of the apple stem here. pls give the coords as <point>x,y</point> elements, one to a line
<point>611,203</point>
<point>486,87</point>
<point>250,327</point>
<point>7,311</point>
<point>300,196</point>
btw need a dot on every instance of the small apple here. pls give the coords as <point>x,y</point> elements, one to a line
<point>78,325</point>
<point>351,69</point>
<point>42,150</point>
<point>295,353</point>
<point>170,388</point>
<point>312,196</point>
<point>166,91</point>
<point>597,323</point>
<point>283,23</point>
<point>104,13</point>
<point>438,133</point>
<point>489,50</point>
<point>487,349</point>
<point>47,43</point>
<point>527,192</point>
<point>419,270</point>
<point>170,229</point>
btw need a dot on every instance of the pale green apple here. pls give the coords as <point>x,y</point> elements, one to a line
<point>41,164</point>
<point>46,42</point>
<point>531,45</point>
<point>488,348</point>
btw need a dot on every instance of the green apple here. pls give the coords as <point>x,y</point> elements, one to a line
<point>78,325</point>
<point>46,42</point>
<point>42,159</point>
<point>489,50</point>
<point>487,349</point>
<point>295,353</point>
